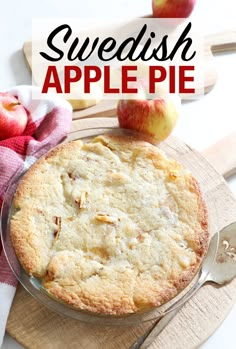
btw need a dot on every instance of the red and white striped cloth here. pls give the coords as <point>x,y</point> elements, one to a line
<point>49,122</point>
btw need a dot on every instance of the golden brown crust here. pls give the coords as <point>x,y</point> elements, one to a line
<point>111,226</point>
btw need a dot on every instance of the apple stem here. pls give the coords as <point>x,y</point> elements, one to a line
<point>10,106</point>
<point>13,104</point>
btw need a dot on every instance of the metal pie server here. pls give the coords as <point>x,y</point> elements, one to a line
<point>222,271</point>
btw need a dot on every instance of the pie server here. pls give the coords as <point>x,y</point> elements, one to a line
<point>223,268</point>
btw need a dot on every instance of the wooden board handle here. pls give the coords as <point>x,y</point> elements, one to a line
<point>222,42</point>
<point>222,155</point>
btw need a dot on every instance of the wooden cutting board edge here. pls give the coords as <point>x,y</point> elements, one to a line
<point>193,325</point>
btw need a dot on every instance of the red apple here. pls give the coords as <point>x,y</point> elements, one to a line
<point>154,117</point>
<point>172,8</point>
<point>13,116</point>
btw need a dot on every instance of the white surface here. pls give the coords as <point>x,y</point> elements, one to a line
<point>202,123</point>
<point>7,292</point>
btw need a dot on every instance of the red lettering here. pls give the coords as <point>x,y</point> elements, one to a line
<point>88,78</point>
<point>107,79</point>
<point>172,79</point>
<point>55,83</point>
<point>152,76</point>
<point>126,79</point>
<point>68,79</point>
<point>183,79</point>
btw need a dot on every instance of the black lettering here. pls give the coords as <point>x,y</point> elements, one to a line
<point>136,42</point>
<point>146,47</point>
<point>53,47</point>
<point>182,39</point>
<point>163,47</point>
<point>81,50</point>
<point>102,48</point>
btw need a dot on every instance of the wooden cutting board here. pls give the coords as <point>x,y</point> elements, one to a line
<point>36,327</point>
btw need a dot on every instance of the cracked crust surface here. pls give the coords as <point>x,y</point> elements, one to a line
<point>112,226</point>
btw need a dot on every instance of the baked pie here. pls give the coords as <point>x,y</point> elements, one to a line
<point>112,226</point>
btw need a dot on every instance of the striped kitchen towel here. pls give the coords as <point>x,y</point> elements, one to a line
<point>49,121</point>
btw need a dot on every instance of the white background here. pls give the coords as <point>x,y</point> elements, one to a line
<point>201,123</point>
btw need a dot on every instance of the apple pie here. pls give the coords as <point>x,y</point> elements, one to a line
<point>112,226</point>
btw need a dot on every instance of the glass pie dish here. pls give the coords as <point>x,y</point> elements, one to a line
<point>34,285</point>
